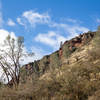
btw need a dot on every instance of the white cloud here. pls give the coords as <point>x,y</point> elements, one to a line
<point>69,30</point>
<point>20,21</point>
<point>63,32</point>
<point>11,22</point>
<point>33,18</point>
<point>98,20</point>
<point>71,20</point>
<point>51,38</point>
<point>4,34</point>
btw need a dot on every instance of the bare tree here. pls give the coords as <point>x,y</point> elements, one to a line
<point>10,57</point>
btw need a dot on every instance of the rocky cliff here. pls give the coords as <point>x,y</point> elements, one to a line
<point>71,73</point>
<point>60,57</point>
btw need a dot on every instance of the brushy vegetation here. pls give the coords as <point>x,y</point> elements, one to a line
<point>80,81</point>
<point>54,60</point>
<point>75,83</point>
<point>67,52</point>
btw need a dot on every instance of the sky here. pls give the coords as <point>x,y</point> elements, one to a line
<point>45,23</point>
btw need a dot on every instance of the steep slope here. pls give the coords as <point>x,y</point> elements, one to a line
<point>71,73</point>
<point>63,56</point>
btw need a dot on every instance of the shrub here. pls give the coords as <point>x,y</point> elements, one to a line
<point>66,51</point>
<point>54,60</point>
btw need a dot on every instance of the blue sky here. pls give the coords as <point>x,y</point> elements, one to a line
<point>45,23</point>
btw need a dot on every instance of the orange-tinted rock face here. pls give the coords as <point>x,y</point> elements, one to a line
<point>78,45</point>
<point>77,41</point>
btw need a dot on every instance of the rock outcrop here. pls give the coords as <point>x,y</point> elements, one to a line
<point>55,59</point>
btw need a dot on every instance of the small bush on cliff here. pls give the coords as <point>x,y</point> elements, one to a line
<point>67,51</point>
<point>54,60</point>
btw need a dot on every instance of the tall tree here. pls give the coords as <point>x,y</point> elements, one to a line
<point>10,57</point>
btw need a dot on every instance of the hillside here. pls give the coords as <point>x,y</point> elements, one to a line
<point>63,56</point>
<point>71,73</point>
